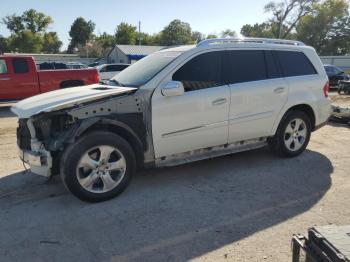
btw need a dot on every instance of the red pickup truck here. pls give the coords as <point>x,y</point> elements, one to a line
<point>19,78</point>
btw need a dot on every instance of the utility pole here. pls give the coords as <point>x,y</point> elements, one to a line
<point>139,32</point>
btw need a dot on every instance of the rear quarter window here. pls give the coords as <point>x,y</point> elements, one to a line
<point>295,63</point>
<point>20,66</point>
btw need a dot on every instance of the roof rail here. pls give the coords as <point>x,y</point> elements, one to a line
<point>217,41</point>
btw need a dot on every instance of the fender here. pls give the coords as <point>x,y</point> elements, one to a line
<point>132,137</point>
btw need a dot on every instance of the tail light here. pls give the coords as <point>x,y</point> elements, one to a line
<point>326,89</point>
<point>96,78</point>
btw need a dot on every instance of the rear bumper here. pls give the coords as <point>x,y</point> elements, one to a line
<point>40,162</point>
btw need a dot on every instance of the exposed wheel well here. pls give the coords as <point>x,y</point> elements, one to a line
<point>71,83</point>
<point>307,110</point>
<point>129,137</point>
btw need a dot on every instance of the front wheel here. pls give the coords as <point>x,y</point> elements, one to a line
<point>98,166</point>
<point>293,134</point>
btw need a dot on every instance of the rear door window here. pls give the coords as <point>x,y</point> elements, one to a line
<point>202,71</point>
<point>295,63</point>
<point>245,66</point>
<point>3,67</point>
<point>20,66</point>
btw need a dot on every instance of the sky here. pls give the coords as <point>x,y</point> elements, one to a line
<point>206,16</point>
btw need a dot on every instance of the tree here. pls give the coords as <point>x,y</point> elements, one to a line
<point>4,45</point>
<point>287,14</point>
<point>176,33</point>
<point>228,33</point>
<point>51,43</point>
<point>126,34</point>
<point>28,33</point>
<point>26,41</point>
<point>31,20</point>
<point>103,43</point>
<point>327,28</point>
<point>197,36</point>
<point>265,30</point>
<point>81,32</point>
<point>210,36</point>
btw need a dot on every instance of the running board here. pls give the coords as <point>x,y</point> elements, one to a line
<point>210,152</point>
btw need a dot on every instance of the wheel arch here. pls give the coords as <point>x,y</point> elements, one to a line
<point>118,128</point>
<point>71,83</point>
<point>306,108</point>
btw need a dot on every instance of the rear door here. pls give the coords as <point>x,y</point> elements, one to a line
<point>258,93</point>
<point>21,81</point>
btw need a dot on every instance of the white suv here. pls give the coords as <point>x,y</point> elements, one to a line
<point>175,106</point>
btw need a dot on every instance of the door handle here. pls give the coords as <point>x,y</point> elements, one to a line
<point>219,101</point>
<point>279,90</point>
<point>5,78</point>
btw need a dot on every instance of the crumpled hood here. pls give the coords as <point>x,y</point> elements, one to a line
<point>65,98</point>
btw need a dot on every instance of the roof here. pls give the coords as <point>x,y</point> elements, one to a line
<point>141,50</point>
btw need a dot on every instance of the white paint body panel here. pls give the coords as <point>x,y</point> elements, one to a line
<point>255,107</point>
<point>189,122</point>
<point>64,98</point>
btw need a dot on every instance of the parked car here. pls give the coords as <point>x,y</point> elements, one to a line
<point>175,106</point>
<point>52,66</point>
<point>335,74</point>
<point>75,65</point>
<point>19,78</point>
<point>107,71</point>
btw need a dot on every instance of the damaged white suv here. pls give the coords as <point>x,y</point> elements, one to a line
<point>175,106</point>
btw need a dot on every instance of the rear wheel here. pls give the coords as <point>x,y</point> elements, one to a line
<point>98,166</point>
<point>293,134</point>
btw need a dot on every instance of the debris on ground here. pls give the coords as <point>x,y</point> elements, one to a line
<point>340,115</point>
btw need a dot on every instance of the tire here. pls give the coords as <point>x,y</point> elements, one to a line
<point>98,166</point>
<point>286,136</point>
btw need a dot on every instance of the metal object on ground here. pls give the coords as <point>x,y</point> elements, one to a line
<point>324,244</point>
<point>340,115</point>
<point>344,87</point>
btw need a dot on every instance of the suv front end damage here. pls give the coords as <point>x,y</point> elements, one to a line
<point>31,150</point>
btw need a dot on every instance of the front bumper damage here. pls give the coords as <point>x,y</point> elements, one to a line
<point>35,154</point>
<point>40,162</point>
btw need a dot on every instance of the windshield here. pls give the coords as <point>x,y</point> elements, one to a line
<point>144,70</point>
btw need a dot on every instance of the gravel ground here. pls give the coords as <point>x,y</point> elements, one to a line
<point>243,207</point>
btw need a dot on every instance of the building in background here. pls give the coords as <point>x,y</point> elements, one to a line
<point>130,53</point>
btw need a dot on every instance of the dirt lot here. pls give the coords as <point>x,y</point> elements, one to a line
<point>243,207</point>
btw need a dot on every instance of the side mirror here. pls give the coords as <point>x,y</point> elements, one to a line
<point>173,88</point>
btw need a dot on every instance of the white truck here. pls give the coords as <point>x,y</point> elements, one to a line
<point>178,105</point>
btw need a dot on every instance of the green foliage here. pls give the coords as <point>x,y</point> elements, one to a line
<point>31,20</point>
<point>26,42</point>
<point>327,28</point>
<point>176,33</point>
<point>126,34</point>
<point>4,45</point>
<point>286,15</point>
<point>81,32</point>
<point>28,33</point>
<point>197,36</point>
<point>265,30</point>
<point>210,36</point>
<point>51,43</point>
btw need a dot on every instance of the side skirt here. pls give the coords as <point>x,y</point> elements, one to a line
<point>210,152</point>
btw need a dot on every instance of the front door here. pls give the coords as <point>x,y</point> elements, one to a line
<point>198,118</point>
